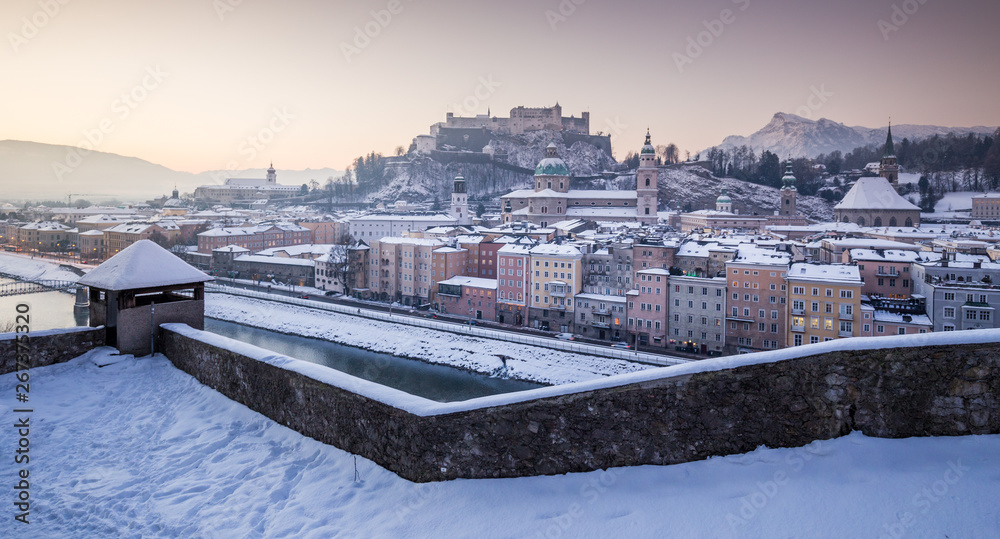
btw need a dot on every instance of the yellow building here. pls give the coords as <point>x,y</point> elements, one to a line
<point>556,278</point>
<point>824,302</point>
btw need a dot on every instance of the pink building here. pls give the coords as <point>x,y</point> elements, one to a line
<point>514,281</point>
<point>468,296</point>
<point>885,272</point>
<point>647,308</point>
<point>447,262</point>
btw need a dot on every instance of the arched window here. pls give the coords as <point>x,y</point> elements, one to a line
<point>892,221</point>
<point>861,221</point>
<point>878,221</point>
<point>845,220</point>
<point>647,182</point>
<point>909,222</point>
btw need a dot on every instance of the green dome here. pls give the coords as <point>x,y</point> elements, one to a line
<point>552,166</point>
<point>724,197</point>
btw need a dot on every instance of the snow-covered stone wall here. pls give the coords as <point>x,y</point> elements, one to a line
<point>913,386</point>
<point>48,347</point>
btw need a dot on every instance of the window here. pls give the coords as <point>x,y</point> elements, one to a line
<point>948,327</point>
<point>798,290</point>
<point>798,339</point>
<point>949,296</point>
<point>949,312</point>
<point>847,294</point>
<point>815,291</point>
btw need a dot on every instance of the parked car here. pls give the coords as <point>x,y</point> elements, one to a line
<point>330,293</point>
<point>621,345</point>
<point>565,336</point>
<point>305,296</point>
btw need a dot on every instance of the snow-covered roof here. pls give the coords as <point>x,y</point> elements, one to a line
<point>275,260</point>
<point>448,250</point>
<point>555,249</point>
<point>874,193</point>
<point>749,253</point>
<point>827,273</point>
<point>475,282</point>
<point>897,318</point>
<point>144,264</point>
<point>601,297</point>
<point>600,211</point>
<point>428,242</point>
<point>887,255</point>
<point>231,249</point>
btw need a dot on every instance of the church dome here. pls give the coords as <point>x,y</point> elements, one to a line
<point>552,165</point>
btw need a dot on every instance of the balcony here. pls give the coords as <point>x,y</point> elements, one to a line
<point>600,325</point>
<point>846,316</point>
<point>558,292</point>
<point>799,312</point>
<point>843,333</point>
<point>603,312</point>
<point>887,273</point>
<point>798,329</point>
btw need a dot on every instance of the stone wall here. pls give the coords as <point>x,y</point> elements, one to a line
<point>947,390</point>
<point>49,347</point>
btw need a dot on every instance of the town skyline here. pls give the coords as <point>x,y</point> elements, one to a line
<point>327,83</point>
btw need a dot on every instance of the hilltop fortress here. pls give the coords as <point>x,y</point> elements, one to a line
<point>521,120</point>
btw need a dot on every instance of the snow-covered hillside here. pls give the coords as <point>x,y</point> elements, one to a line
<point>423,179</point>
<point>138,448</point>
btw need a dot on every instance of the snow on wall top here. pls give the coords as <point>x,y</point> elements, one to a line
<point>425,407</point>
<point>144,264</point>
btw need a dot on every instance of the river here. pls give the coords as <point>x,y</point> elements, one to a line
<point>51,310</point>
<point>46,310</point>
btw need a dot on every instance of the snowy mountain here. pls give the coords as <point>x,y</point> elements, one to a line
<point>787,134</point>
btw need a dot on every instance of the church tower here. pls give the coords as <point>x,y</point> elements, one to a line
<point>460,201</point>
<point>272,177</point>
<point>645,184</point>
<point>889,169</point>
<point>788,192</point>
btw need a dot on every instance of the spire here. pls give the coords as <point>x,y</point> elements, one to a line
<point>788,180</point>
<point>647,136</point>
<point>889,149</point>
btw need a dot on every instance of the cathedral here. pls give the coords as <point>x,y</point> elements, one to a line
<point>551,200</point>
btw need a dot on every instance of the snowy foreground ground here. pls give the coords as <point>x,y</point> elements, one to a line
<point>524,362</point>
<point>139,449</point>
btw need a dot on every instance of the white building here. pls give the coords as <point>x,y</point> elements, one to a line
<point>378,226</point>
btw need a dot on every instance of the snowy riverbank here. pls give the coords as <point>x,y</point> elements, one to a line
<point>139,448</point>
<point>476,354</point>
<point>25,267</point>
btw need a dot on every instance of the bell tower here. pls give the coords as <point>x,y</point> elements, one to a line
<point>889,169</point>
<point>788,192</point>
<point>646,192</point>
<point>460,201</point>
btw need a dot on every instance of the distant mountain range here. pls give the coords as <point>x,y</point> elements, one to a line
<point>37,171</point>
<point>787,134</point>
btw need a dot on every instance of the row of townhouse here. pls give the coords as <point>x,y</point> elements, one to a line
<point>254,238</point>
<point>706,297</point>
